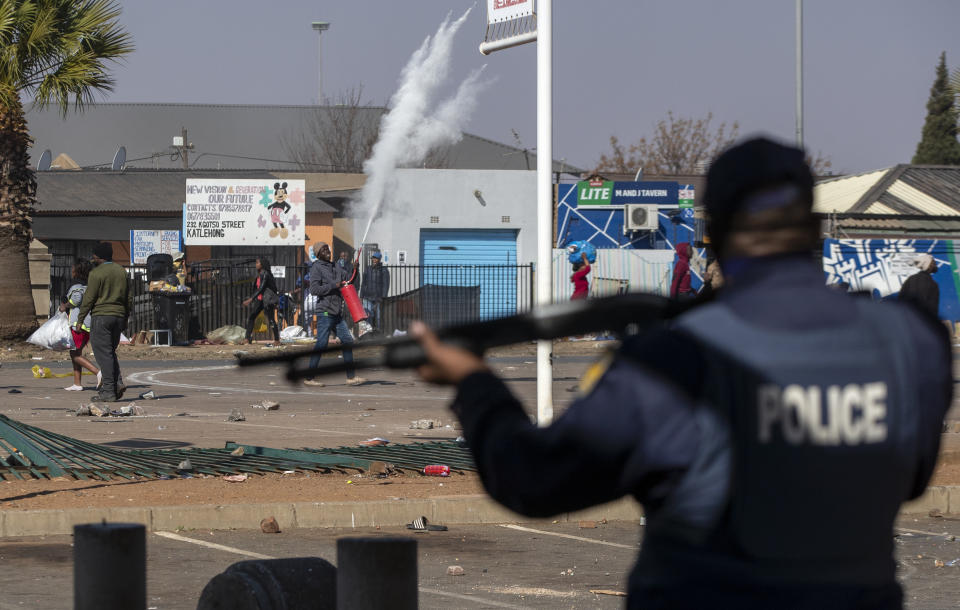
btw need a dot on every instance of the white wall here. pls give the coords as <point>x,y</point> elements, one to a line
<point>449,195</point>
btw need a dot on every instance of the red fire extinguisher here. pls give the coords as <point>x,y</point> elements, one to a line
<point>354,306</point>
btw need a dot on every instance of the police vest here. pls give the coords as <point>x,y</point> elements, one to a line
<point>823,437</point>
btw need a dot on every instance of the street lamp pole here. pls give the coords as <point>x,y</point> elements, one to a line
<point>320,27</point>
<point>800,73</point>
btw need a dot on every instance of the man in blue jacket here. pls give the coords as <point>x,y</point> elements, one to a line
<point>326,280</point>
<point>771,434</point>
<point>374,288</point>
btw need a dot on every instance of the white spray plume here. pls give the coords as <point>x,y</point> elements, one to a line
<point>408,132</point>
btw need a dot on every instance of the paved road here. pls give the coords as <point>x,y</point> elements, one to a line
<point>526,566</point>
<point>197,397</point>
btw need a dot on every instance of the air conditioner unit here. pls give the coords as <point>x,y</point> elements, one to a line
<point>640,217</point>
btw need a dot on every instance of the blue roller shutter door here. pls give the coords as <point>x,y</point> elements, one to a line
<point>482,258</point>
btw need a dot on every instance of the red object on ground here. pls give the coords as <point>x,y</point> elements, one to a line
<point>437,470</point>
<point>349,294</point>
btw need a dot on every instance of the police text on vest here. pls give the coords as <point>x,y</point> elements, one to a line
<point>852,415</point>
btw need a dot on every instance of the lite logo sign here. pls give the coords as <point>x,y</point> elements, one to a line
<point>606,193</point>
<point>594,192</point>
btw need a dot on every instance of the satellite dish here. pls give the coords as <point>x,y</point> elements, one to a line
<point>43,165</point>
<point>119,159</point>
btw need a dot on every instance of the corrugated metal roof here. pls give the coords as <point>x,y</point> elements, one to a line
<point>904,226</point>
<point>137,192</point>
<point>225,136</point>
<point>879,208</point>
<point>904,189</point>
<point>920,200</point>
<point>841,194</point>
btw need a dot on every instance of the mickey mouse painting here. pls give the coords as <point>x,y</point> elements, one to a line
<point>278,210</point>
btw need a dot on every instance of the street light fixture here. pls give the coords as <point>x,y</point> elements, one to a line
<point>320,27</point>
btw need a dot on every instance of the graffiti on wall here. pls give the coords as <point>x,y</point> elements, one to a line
<point>881,266</point>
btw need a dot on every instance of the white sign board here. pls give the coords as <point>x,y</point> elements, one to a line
<point>278,271</point>
<point>505,10</point>
<point>145,243</point>
<point>226,212</point>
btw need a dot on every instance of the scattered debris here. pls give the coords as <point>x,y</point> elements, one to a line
<point>83,410</point>
<point>150,395</point>
<point>97,410</point>
<point>14,391</point>
<point>268,405</point>
<point>379,468</point>
<point>235,478</point>
<point>953,562</point>
<point>454,571</point>
<point>935,512</point>
<point>567,572</point>
<point>132,409</point>
<point>236,415</point>
<point>437,470</point>
<point>269,526</point>
<point>608,592</point>
<point>420,524</point>
<point>587,525</point>
<point>424,424</point>
<point>185,465</point>
<point>237,452</point>
<point>938,563</point>
<point>374,442</point>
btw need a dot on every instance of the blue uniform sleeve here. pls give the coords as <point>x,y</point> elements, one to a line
<point>634,433</point>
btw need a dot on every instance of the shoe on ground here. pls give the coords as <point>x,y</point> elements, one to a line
<point>105,398</point>
<point>356,381</point>
<point>313,383</point>
<point>99,379</point>
<point>120,390</point>
<point>74,388</point>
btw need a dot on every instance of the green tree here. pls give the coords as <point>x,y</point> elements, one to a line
<point>938,144</point>
<point>53,53</point>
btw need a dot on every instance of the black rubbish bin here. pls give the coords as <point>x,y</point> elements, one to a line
<point>171,311</point>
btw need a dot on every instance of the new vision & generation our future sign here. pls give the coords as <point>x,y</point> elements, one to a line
<point>227,212</point>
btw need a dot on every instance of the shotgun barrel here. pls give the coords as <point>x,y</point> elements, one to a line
<point>621,314</point>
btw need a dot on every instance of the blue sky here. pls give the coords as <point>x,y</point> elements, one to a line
<point>619,66</point>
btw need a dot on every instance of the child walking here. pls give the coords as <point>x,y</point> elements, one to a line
<point>80,272</point>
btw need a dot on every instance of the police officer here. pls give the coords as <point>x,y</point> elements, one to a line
<point>771,434</point>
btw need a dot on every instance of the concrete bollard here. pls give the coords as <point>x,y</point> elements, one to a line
<point>109,566</point>
<point>299,583</point>
<point>374,573</point>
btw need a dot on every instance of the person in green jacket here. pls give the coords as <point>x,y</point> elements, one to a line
<point>107,300</point>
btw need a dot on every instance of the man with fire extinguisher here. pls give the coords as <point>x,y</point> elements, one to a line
<point>326,280</point>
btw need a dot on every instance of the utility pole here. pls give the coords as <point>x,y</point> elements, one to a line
<point>544,293</point>
<point>320,27</point>
<point>800,73</point>
<point>184,154</point>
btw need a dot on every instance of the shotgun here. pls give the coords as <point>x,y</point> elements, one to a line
<point>622,314</point>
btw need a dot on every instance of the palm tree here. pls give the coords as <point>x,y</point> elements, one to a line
<point>54,51</point>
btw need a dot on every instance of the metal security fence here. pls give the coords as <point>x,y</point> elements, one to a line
<point>438,294</point>
<point>442,295</point>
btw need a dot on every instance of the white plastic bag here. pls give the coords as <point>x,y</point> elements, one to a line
<point>54,334</point>
<point>291,332</point>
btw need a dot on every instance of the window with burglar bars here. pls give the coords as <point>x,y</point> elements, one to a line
<point>438,294</point>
